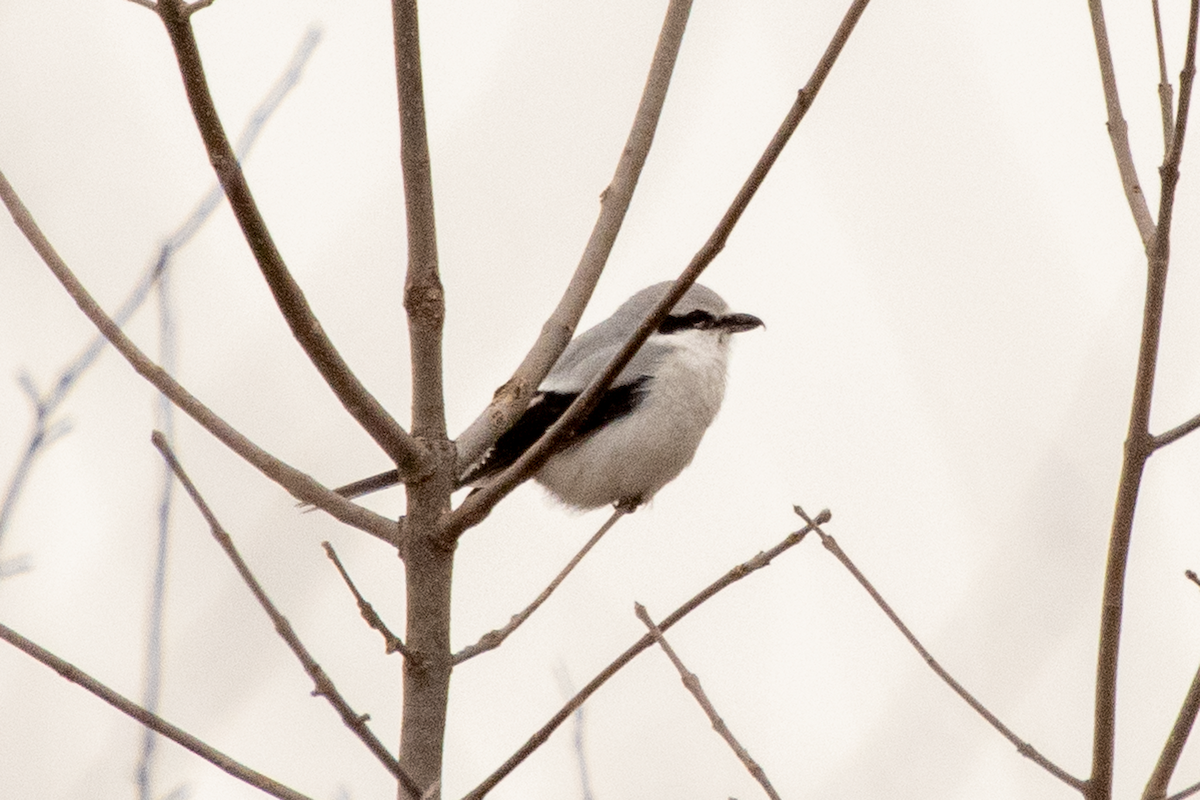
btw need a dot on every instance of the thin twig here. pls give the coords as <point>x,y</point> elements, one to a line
<point>1176,433</point>
<point>42,432</point>
<point>693,685</point>
<point>477,506</point>
<point>408,454</point>
<point>732,576</point>
<point>322,684</point>
<point>512,398</point>
<point>1165,92</point>
<point>1168,759</point>
<point>1139,444</point>
<point>1023,747</point>
<point>144,771</point>
<point>299,485</point>
<point>1192,576</point>
<point>132,709</point>
<point>392,642</point>
<point>493,639</point>
<point>1118,129</point>
<point>1188,792</point>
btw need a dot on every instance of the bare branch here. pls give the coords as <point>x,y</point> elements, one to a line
<point>693,685</point>
<point>1023,747</point>
<point>1188,792</point>
<point>1118,130</point>
<point>493,639</point>
<point>424,296</point>
<point>322,684</point>
<point>1139,444</point>
<point>1156,787</point>
<point>1169,171</point>
<point>1165,92</point>
<point>512,398</point>
<point>301,486</point>
<point>1176,433</point>
<point>409,455</point>
<point>477,506</point>
<point>132,709</point>
<point>42,431</point>
<point>392,642</point>
<point>732,576</point>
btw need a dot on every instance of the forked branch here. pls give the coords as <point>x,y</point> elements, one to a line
<point>322,685</point>
<point>301,486</point>
<point>408,454</point>
<point>1023,747</point>
<point>728,579</point>
<point>1139,444</point>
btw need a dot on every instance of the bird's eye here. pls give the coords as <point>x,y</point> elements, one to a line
<point>693,320</point>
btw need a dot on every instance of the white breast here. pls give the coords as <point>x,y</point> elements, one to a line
<point>635,456</point>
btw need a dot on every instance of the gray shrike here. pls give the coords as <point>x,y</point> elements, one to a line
<point>647,425</point>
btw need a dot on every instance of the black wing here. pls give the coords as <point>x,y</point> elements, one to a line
<point>543,412</point>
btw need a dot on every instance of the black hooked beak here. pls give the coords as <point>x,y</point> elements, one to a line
<point>736,323</point>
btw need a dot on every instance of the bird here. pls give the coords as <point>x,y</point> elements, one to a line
<point>646,427</point>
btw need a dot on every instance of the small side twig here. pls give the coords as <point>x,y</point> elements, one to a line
<point>1184,793</point>
<point>734,575</point>
<point>492,639</point>
<point>693,685</point>
<point>1118,129</point>
<point>132,709</point>
<point>1176,433</point>
<point>1165,92</point>
<point>1023,747</point>
<point>392,642</point>
<point>1168,759</point>
<point>322,684</point>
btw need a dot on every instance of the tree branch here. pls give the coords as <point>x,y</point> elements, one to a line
<point>42,432</point>
<point>1139,444</point>
<point>391,642</point>
<point>493,639</point>
<point>479,504</point>
<point>1118,130</point>
<point>424,297</point>
<point>512,398</point>
<point>1164,84</point>
<point>299,485</point>
<point>1156,787</point>
<point>408,454</point>
<point>1024,748</point>
<point>693,685</point>
<point>1176,433</point>
<point>157,723</point>
<point>322,685</point>
<point>732,576</point>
